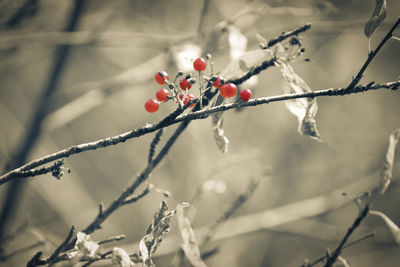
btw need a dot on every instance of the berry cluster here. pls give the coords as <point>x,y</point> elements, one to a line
<point>179,90</point>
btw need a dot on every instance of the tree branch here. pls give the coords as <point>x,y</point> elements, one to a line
<point>173,118</point>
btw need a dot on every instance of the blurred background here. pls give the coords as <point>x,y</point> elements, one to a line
<point>87,68</point>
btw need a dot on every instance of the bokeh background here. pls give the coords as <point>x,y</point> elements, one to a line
<point>115,51</point>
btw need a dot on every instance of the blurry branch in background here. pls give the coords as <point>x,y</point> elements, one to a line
<point>27,9</point>
<point>239,201</point>
<point>30,136</point>
<point>196,115</point>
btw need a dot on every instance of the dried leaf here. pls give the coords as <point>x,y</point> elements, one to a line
<point>246,62</point>
<point>154,234</point>
<point>304,108</point>
<point>394,229</point>
<point>387,169</point>
<point>120,258</point>
<point>219,134</point>
<point>237,42</point>
<point>343,261</point>
<point>376,19</point>
<point>189,245</point>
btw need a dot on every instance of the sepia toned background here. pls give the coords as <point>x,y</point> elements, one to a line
<point>108,74</point>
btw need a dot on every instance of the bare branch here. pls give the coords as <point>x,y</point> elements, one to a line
<point>331,260</point>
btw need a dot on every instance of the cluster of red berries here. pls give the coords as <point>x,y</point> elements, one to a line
<point>180,94</point>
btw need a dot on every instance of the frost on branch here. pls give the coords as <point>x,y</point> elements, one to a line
<point>120,258</point>
<point>154,234</point>
<point>189,242</point>
<point>304,108</point>
<point>84,246</point>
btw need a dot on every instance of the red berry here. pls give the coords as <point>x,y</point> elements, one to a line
<point>184,84</point>
<point>228,90</point>
<point>245,94</point>
<point>151,105</point>
<point>162,95</point>
<point>199,64</point>
<point>160,79</point>
<point>217,82</point>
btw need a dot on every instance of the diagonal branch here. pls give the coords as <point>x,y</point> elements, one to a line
<point>371,56</point>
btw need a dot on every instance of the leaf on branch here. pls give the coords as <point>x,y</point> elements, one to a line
<point>376,19</point>
<point>246,62</point>
<point>219,134</point>
<point>84,246</point>
<point>304,108</point>
<point>394,229</point>
<point>189,245</point>
<point>387,170</point>
<point>120,258</point>
<point>237,42</point>
<point>154,234</point>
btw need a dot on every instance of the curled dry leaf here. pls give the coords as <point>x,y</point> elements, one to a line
<point>387,169</point>
<point>304,108</point>
<point>219,135</point>
<point>394,229</point>
<point>376,19</point>
<point>154,234</point>
<point>189,242</point>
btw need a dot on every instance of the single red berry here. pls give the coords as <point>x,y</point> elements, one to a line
<point>199,64</point>
<point>184,84</point>
<point>228,90</point>
<point>160,79</point>
<point>245,94</point>
<point>217,82</point>
<point>151,105</point>
<point>162,95</point>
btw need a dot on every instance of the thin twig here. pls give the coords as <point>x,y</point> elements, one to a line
<point>135,198</point>
<point>61,247</point>
<point>103,256</point>
<point>202,114</point>
<point>321,259</point>
<point>371,56</point>
<point>21,250</point>
<point>286,35</point>
<point>112,239</point>
<point>331,260</point>
<point>154,144</point>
